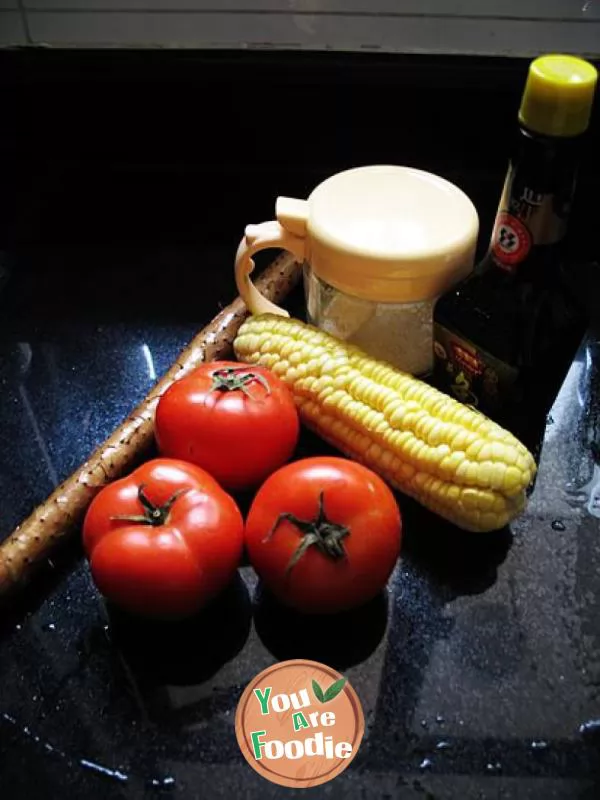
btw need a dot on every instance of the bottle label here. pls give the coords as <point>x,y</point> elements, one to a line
<point>525,218</point>
<point>511,241</point>
<point>470,374</point>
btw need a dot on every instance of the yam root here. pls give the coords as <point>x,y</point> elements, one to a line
<point>62,513</point>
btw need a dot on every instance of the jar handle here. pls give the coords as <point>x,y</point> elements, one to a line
<point>262,237</point>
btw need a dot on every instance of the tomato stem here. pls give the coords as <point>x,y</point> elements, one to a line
<point>320,532</point>
<point>153,515</point>
<point>231,379</point>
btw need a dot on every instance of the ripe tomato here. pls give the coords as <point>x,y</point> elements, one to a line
<point>324,534</point>
<point>163,540</point>
<point>236,421</point>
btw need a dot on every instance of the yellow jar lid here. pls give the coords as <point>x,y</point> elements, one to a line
<point>558,95</point>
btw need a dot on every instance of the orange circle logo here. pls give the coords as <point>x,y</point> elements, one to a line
<point>299,723</point>
<point>511,240</point>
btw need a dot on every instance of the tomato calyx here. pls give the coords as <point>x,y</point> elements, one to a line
<point>231,379</point>
<point>153,514</point>
<point>320,532</point>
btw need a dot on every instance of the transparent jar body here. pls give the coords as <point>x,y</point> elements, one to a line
<point>400,333</point>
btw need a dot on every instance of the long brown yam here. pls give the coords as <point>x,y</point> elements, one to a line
<point>63,511</point>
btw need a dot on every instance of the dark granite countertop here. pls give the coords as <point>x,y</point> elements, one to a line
<point>479,672</point>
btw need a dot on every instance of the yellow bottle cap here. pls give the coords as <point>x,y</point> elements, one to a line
<point>558,95</point>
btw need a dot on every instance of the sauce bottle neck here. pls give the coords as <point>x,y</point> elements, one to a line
<point>536,200</point>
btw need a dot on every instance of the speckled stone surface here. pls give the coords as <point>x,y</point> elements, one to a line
<point>476,671</point>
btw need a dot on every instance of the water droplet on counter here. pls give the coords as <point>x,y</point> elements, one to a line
<point>425,764</point>
<point>10,719</point>
<point>443,745</point>
<point>18,627</point>
<point>495,767</point>
<point>424,724</point>
<point>439,719</point>
<point>558,525</point>
<point>27,732</point>
<point>576,495</point>
<point>49,626</point>
<point>110,773</point>
<point>48,747</point>
<point>539,744</point>
<point>163,783</point>
<point>590,728</point>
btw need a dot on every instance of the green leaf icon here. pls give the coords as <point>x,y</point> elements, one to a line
<point>334,689</point>
<point>318,691</point>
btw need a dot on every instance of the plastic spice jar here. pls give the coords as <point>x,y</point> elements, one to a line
<point>379,245</point>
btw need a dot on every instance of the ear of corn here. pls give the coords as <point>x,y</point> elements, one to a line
<point>449,457</point>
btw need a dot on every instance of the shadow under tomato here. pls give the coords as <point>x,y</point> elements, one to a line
<point>186,651</point>
<point>338,640</point>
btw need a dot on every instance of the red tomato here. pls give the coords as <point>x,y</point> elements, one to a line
<point>164,540</point>
<point>236,421</point>
<point>324,534</point>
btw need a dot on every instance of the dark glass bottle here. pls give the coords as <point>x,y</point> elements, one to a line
<point>504,337</point>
